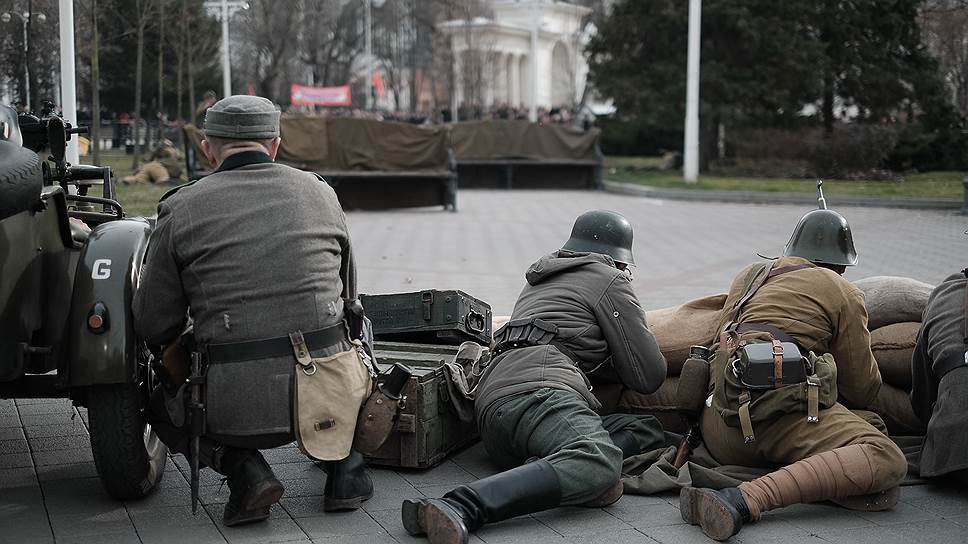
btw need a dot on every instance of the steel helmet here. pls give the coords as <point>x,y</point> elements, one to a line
<point>822,236</point>
<point>602,231</point>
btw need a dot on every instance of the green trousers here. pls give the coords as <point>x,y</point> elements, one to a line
<point>561,428</point>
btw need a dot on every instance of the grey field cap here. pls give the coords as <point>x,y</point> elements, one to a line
<point>242,117</point>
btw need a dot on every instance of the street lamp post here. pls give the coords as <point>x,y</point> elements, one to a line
<point>690,163</point>
<point>6,17</point>
<point>225,9</point>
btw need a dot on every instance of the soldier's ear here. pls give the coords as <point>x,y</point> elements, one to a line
<point>209,153</point>
<point>274,147</point>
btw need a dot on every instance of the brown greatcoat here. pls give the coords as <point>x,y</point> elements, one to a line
<point>824,313</point>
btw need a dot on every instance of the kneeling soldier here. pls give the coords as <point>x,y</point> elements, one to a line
<point>253,251</point>
<point>577,316</point>
<point>799,303</point>
<point>940,388</point>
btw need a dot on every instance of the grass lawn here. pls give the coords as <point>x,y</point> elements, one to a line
<point>644,171</point>
<point>136,199</point>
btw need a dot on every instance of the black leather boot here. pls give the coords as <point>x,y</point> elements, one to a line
<point>254,488</point>
<point>347,483</point>
<point>626,442</point>
<point>532,487</point>
<point>721,513</point>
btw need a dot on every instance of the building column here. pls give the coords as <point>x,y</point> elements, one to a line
<point>514,84</point>
<point>457,93</point>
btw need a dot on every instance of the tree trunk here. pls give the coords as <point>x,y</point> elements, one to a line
<point>190,67</point>
<point>180,72</point>
<point>136,114</point>
<point>161,63</point>
<point>32,99</point>
<point>827,111</point>
<point>95,88</point>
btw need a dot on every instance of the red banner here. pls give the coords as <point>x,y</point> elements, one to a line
<point>303,95</point>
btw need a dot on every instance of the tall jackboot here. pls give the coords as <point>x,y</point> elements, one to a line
<point>254,487</point>
<point>836,474</point>
<point>347,483</point>
<point>532,487</point>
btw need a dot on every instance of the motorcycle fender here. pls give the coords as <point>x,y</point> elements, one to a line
<point>107,274</point>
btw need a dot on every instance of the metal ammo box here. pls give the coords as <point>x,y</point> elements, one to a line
<point>428,428</point>
<point>432,316</point>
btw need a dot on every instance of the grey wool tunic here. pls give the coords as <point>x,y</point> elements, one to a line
<point>255,250</point>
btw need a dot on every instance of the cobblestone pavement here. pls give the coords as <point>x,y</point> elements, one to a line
<point>49,491</point>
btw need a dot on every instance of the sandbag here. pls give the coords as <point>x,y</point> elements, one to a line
<point>894,406</point>
<point>893,347</point>
<point>892,299</point>
<point>679,327</point>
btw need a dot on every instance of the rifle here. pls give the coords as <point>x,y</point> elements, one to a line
<point>196,409</point>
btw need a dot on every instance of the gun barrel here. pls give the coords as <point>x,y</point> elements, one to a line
<point>821,201</point>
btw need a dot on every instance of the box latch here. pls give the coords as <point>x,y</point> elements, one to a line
<point>427,300</point>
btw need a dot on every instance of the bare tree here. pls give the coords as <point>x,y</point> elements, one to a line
<point>945,29</point>
<point>143,9</point>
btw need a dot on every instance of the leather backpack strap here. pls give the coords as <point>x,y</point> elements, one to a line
<point>770,273</point>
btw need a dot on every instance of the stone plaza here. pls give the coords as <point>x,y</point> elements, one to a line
<point>49,491</point>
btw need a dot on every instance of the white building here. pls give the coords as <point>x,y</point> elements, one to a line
<point>529,54</point>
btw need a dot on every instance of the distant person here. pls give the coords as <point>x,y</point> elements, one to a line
<point>164,165</point>
<point>208,100</point>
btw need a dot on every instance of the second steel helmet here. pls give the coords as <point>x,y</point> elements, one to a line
<point>822,236</point>
<point>602,231</point>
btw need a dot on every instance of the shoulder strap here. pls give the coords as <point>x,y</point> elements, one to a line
<point>174,190</point>
<point>965,272</point>
<point>768,273</point>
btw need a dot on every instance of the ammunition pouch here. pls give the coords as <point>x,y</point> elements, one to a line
<point>529,332</point>
<point>764,381</point>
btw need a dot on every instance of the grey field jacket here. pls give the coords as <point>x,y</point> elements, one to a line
<point>599,320</point>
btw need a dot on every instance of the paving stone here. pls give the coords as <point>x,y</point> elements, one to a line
<point>676,534</point>
<point>772,528</point>
<point>198,534</point>
<point>331,524</point>
<point>358,539</point>
<point>512,531</point>
<point>63,457</point>
<point>15,460</point>
<point>576,521</point>
<point>299,471</point>
<point>280,456</point>
<point>646,514</point>
<point>73,487</point>
<point>9,420</point>
<point>32,529</point>
<point>629,536</point>
<point>385,499</point>
<point>59,418</point>
<point>17,477</point>
<point>70,471</point>
<point>62,406</point>
<point>447,473</point>
<point>821,518</point>
<point>124,537</point>
<point>278,528</point>
<point>169,516</point>
<point>388,479</point>
<point>11,433</point>
<point>90,525</point>
<point>902,513</point>
<point>57,443</point>
<point>75,427</point>
<point>942,502</point>
<point>13,446</point>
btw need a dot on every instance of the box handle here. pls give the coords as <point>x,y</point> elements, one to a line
<point>427,301</point>
<point>475,321</point>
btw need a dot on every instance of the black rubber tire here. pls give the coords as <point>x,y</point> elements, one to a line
<point>129,456</point>
<point>21,179</point>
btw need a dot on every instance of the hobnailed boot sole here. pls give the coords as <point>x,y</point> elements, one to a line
<point>410,515</point>
<point>352,503</point>
<point>872,502</point>
<point>435,518</point>
<point>244,517</point>
<point>702,507</point>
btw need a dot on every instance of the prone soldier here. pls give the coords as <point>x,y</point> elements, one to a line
<point>940,380</point>
<point>252,252</point>
<point>163,166</point>
<point>801,303</point>
<point>577,317</point>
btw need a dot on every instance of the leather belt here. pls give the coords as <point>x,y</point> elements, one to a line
<point>274,347</point>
